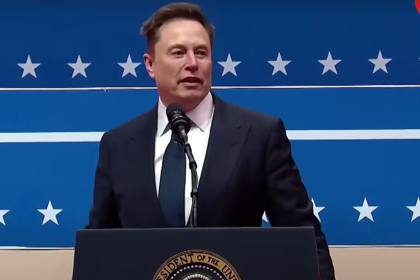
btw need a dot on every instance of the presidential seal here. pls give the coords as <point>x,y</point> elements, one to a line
<point>196,265</point>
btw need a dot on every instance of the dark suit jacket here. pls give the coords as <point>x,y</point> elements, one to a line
<point>248,169</point>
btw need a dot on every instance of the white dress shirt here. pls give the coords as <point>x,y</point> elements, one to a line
<point>198,136</point>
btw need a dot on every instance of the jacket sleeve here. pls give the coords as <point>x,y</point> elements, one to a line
<point>287,199</point>
<point>103,213</point>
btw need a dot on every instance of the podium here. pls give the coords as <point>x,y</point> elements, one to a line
<point>196,253</point>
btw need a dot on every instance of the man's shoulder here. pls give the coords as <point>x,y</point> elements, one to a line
<point>129,128</point>
<point>255,118</point>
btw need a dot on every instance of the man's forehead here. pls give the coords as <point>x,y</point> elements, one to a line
<point>181,23</point>
<point>182,28</point>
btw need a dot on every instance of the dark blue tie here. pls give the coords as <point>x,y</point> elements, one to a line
<point>172,184</point>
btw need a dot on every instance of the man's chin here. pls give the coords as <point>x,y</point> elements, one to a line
<point>191,93</point>
<point>190,97</point>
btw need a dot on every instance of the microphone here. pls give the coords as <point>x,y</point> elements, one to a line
<point>180,124</point>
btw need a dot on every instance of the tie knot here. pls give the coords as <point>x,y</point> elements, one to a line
<point>174,138</point>
<point>168,127</point>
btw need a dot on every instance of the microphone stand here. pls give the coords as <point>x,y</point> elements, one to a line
<point>194,182</point>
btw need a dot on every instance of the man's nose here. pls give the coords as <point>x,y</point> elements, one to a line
<point>191,62</point>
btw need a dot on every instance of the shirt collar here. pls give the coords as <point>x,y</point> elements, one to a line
<point>200,116</point>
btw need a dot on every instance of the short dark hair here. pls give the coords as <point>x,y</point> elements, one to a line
<point>170,12</point>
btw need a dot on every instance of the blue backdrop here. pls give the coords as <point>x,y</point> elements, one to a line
<point>370,43</point>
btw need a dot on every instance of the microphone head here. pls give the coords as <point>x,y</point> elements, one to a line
<point>174,109</point>
<point>177,117</point>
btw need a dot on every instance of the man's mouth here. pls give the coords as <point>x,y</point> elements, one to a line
<point>191,80</point>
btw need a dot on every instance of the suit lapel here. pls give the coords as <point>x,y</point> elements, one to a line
<point>227,137</point>
<point>142,153</point>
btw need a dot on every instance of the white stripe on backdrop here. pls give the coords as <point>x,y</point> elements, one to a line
<point>213,87</point>
<point>382,134</point>
<point>56,137</point>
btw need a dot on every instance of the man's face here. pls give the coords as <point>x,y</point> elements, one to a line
<point>181,64</point>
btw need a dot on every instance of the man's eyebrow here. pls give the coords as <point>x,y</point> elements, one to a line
<point>181,46</point>
<point>177,45</point>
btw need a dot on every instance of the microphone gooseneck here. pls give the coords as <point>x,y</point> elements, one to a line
<point>180,125</point>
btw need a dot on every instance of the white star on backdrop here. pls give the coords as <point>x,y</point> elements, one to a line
<point>265,217</point>
<point>129,67</point>
<point>279,64</point>
<point>50,214</point>
<point>79,67</point>
<point>2,213</point>
<point>380,63</point>
<point>365,211</point>
<point>28,67</point>
<point>329,64</point>
<point>317,209</point>
<point>415,209</point>
<point>229,65</point>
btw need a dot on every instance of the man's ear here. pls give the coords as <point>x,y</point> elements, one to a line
<point>148,62</point>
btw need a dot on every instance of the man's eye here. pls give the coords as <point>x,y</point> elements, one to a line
<point>177,53</point>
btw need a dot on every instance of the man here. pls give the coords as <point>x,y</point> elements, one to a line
<point>244,160</point>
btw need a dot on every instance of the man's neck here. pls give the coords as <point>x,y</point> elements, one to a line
<point>186,104</point>
<point>200,115</point>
